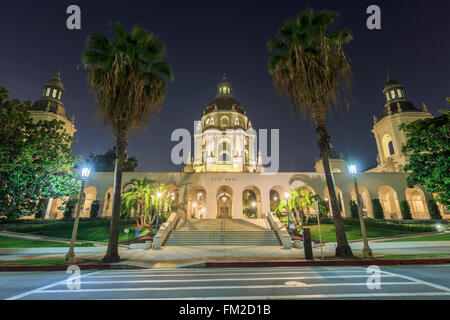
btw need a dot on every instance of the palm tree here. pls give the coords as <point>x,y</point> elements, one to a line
<point>136,200</point>
<point>310,70</point>
<point>129,78</point>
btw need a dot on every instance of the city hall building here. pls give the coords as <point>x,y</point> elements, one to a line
<point>225,167</point>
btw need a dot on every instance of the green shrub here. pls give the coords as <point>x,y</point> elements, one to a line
<point>94,208</point>
<point>392,225</point>
<point>406,210</point>
<point>377,209</point>
<point>354,209</point>
<point>434,210</point>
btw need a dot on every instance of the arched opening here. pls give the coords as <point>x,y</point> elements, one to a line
<point>196,202</point>
<point>388,147</point>
<point>366,201</point>
<point>417,203</point>
<point>389,202</point>
<point>340,198</point>
<point>172,196</point>
<point>276,195</point>
<point>90,194</point>
<point>251,202</point>
<point>224,198</point>
<point>224,121</point>
<point>224,151</point>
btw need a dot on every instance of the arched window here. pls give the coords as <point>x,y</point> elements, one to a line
<point>387,146</point>
<point>391,148</point>
<point>54,93</point>
<point>236,121</point>
<point>393,94</point>
<point>224,121</point>
<point>387,96</point>
<point>48,92</point>
<point>399,93</point>
<point>59,95</point>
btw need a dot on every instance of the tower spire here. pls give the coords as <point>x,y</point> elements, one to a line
<point>224,88</point>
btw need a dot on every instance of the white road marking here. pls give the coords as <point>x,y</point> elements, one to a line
<point>230,279</point>
<point>436,286</point>
<point>223,287</point>
<point>38,290</point>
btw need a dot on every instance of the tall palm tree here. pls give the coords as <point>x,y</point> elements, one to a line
<point>129,78</point>
<point>310,69</point>
<point>136,199</point>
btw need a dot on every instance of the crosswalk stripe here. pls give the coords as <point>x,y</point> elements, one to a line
<point>223,287</point>
<point>231,279</point>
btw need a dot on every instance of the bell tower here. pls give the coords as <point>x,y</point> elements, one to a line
<point>50,106</point>
<point>390,140</point>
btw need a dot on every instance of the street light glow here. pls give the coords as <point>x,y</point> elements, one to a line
<point>85,172</point>
<point>352,169</point>
<point>159,195</point>
<point>286,195</point>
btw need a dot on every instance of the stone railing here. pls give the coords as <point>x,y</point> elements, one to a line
<point>165,229</point>
<point>280,229</point>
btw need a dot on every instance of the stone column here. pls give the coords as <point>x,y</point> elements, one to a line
<point>238,210</point>
<point>265,201</point>
<point>211,206</point>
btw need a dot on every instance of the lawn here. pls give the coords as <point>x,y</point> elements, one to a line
<point>89,231</point>
<point>33,262</point>
<point>8,242</point>
<point>415,256</point>
<point>352,232</point>
<point>436,237</point>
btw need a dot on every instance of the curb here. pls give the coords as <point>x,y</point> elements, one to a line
<point>331,263</point>
<point>54,268</point>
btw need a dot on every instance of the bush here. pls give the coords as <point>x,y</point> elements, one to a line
<point>406,210</point>
<point>392,225</point>
<point>377,209</point>
<point>434,210</point>
<point>94,208</point>
<point>354,209</point>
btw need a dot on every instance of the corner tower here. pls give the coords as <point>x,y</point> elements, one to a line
<point>224,140</point>
<point>390,140</point>
<point>50,106</point>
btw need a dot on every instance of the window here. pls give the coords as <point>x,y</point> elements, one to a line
<point>399,93</point>
<point>54,93</point>
<point>393,94</point>
<point>387,96</point>
<point>224,121</point>
<point>236,121</point>
<point>48,92</point>
<point>199,196</point>
<point>212,122</point>
<point>59,95</point>
<point>207,122</point>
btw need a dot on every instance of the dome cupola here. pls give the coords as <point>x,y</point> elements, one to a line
<point>51,100</point>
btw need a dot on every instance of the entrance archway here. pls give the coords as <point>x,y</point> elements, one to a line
<point>389,202</point>
<point>417,203</point>
<point>251,202</point>
<point>224,203</point>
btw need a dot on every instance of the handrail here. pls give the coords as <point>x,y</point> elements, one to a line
<point>280,230</point>
<point>165,229</point>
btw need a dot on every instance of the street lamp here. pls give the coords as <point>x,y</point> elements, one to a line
<point>158,195</point>
<point>286,195</point>
<point>70,256</point>
<point>367,252</point>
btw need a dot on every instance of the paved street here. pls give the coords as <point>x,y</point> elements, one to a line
<point>399,282</point>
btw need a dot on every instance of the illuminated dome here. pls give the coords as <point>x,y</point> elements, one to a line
<point>224,99</point>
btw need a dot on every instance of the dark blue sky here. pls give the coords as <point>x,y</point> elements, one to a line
<point>204,39</point>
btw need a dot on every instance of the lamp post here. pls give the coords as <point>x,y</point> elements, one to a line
<point>70,256</point>
<point>158,195</point>
<point>286,195</point>
<point>367,252</point>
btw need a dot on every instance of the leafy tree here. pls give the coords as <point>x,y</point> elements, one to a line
<point>377,209</point>
<point>106,162</point>
<point>35,160</point>
<point>429,147</point>
<point>129,78</point>
<point>354,209</point>
<point>300,203</point>
<point>434,210</point>
<point>406,210</point>
<point>309,69</point>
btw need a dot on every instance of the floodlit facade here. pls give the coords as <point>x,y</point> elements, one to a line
<point>225,173</point>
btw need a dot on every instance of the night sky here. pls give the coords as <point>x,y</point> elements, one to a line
<point>205,40</point>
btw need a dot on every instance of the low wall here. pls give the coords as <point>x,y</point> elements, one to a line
<point>280,229</point>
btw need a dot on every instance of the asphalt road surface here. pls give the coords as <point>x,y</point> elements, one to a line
<point>399,282</point>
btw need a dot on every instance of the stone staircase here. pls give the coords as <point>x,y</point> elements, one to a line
<point>223,232</point>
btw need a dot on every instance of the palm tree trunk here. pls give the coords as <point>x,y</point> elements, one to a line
<point>343,249</point>
<point>112,253</point>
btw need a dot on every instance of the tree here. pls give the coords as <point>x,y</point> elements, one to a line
<point>354,209</point>
<point>434,210</point>
<point>429,147</point>
<point>310,70</point>
<point>377,209</point>
<point>106,162</point>
<point>129,78</point>
<point>300,203</point>
<point>35,160</point>
<point>406,210</point>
